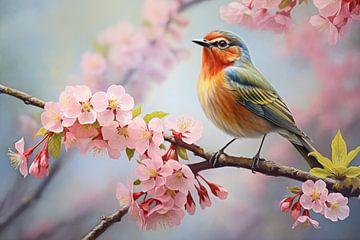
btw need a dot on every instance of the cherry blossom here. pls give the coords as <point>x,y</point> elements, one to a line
<point>93,64</point>
<point>51,118</point>
<point>20,158</point>
<point>286,203</point>
<point>314,195</point>
<point>161,216</point>
<point>146,137</point>
<point>305,220</point>
<point>120,104</point>
<point>185,128</point>
<point>117,136</point>
<point>336,207</point>
<point>182,178</point>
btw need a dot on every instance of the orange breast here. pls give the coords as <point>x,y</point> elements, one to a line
<point>221,107</point>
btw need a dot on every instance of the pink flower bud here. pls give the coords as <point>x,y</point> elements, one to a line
<point>286,203</point>
<point>190,204</point>
<point>295,211</point>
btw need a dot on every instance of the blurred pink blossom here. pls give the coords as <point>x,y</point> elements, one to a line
<point>306,221</point>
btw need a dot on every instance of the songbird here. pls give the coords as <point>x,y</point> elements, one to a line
<point>238,99</point>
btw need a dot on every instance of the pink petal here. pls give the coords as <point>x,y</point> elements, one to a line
<point>319,186</point>
<point>308,187</point>
<point>99,101</point>
<point>124,118</point>
<point>67,122</point>
<point>105,118</point>
<point>155,125</point>
<point>87,117</point>
<point>343,212</point>
<point>317,206</point>
<point>126,102</point>
<point>115,92</point>
<point>19,146</point>
<point>147,185</point>
<point>23,167</point>
<point>82,93</point>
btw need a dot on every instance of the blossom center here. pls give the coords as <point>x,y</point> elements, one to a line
<point>178,174</point>
<point>123,132</point>
<point>86,106</point>
<point>113,103</point>
<point>153,172</point>
<point>315,196</point>
<point>147,134</point>
<point>184,125</point>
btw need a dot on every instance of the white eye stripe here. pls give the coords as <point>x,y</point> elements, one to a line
<point>219,39</point>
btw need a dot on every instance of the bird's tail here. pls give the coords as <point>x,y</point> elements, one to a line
<point>304,148</point>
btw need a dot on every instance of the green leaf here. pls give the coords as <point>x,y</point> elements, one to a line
<point>136,111</point>
<point>294,190</point>
<point>182,153</point>
<point>320,172</point>
<point>41,132</point>
<point>339,150</point>
<point>352,172</point>
<point>152,115</point>
<point>137,182</point>
<point>325,162</point>
<point>130,153</point>
<point>54,145</point>
<point>351,156</point>
<point>284,4</point>
<point>162,146</point>
<point>96,124</point>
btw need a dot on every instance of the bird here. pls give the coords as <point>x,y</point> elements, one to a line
<point>239,100</point>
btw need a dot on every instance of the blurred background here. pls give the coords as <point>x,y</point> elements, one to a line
<point>41,49</point>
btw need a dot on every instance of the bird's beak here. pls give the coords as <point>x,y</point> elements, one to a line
<point>202,42</point>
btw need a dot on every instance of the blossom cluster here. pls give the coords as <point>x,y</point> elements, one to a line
<point>137,56</point>
<point>315,197</point>
<point>275,15</point>
<point>108,122</point>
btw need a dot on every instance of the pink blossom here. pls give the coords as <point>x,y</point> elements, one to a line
<point>123,57</point>
<point>117,136</point>
<point>185,127</point>
<point>152,173</point>
<point>125,194</point>
<point>314,195</point>
<point>295,211</point>
<point>159,12</point>
<point>172,198</point>
<point>238,13</point>
<point>190,204</point>
<point>101,146</point>
<point>51,117</point>
<point>161,216</point>
<point>78,102</point>
<point>286,203</point>
<point>137,213</point>
<point>20,158</point>
<point>146,137</point>
<point>326,26</point>
<point>328,8</point>
<point>93,64</point>
<point>336,207</point>
<point>204,198</point>
<point>119,106</point>
<point>267,4</point>
<point>70,140</point>
<point>83,130</point>
<point>306,221</point>
<point>278,23</point>
<point>217,190</point>
<point>181,179</point>
<point>40,166</point>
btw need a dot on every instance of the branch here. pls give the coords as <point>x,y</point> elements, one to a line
<point>105,223</point>
<point>26,98</point>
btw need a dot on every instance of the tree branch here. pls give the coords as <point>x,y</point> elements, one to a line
<point>26,98</point>
<point>105,223</point>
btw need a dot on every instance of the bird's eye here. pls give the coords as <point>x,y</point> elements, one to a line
<point>222,44</point>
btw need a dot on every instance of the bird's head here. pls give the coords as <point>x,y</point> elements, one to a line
<point>222,49</point>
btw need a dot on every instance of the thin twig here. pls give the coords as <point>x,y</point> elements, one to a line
<point>105,223</point>
<point>26,98</point>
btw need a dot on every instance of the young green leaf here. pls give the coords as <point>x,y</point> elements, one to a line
<point>152,115</point>
<point>320,172</point>
<point>339,149</point>
<point>351,156</point>
<point>130,153</point>
<point>294,190</point>
<point>182,153</point>
<point>325,162</point>
<point>162,146</point>
<point>54,145</point>
<point>136,111</point>
<point>41,132</point>
<point>284,4</point>
<point>353,171</point>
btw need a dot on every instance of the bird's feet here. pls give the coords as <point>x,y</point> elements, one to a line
<point>215,158</point>
<point>255,162</point>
